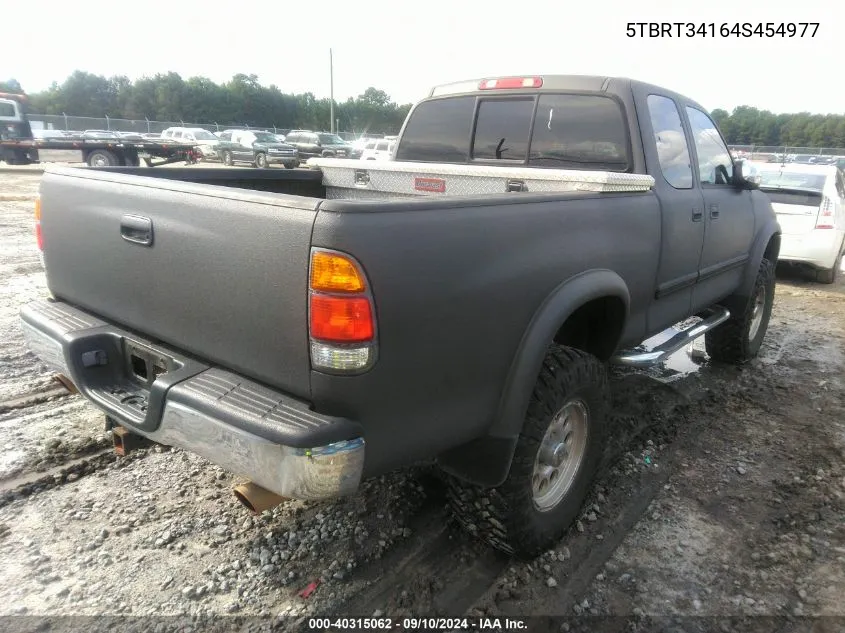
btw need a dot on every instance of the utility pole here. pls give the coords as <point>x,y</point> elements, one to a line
<point>331,92</point>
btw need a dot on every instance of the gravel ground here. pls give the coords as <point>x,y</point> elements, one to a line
<point>722,495</point>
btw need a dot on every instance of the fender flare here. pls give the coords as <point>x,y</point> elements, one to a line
<point>764,236</point>
<point>486,460</point>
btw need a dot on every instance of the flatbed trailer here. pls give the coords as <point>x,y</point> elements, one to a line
<point>99,152</point>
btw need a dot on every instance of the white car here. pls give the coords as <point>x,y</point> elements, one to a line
<point>378,150</point>
<point>809,201</point>
<point>205,141</point>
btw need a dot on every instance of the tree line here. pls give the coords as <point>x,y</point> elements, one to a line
<point>241,101</point>
<point>749,126</point>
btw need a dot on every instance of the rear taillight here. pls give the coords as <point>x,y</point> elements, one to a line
<point>341,314</point>
<point>825,218</point>
<point>38,235</point>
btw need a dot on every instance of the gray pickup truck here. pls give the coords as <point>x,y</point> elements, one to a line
<point>307,329</point>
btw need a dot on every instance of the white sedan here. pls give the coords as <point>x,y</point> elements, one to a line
<point>809,201</point>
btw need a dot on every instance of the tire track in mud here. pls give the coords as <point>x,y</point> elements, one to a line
<point>33,398</point>
<point>28,484</point>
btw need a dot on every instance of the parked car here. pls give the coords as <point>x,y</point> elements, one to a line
<point>323,144</point>
<point>205,141</point>
<point>457,303</point>
<point>260,149</point>
<point>378,150</point>
<point>809,201</point>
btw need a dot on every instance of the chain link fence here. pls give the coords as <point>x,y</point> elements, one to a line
<point>68,123</point>
<point>764,151</point>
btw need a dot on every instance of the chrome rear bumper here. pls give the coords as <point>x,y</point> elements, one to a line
<point>251,430</point>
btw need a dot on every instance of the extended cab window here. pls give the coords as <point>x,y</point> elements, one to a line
<point>502,129</point>
<point>714,161</point>
<point>438,131</point>
<point>579,132</point>
<point>671,141</point>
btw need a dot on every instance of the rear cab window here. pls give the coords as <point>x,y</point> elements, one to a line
<point>8,110</point>
<point>551,130</point>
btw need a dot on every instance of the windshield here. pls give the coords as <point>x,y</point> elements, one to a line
<point>331,139</point>
<point>791,180</point>
<point>265,137</point>
<point>202,135</point>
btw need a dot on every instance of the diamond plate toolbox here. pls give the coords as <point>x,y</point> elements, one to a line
<point>374,179</point>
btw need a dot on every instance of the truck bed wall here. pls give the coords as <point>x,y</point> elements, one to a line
<point>298,182</point>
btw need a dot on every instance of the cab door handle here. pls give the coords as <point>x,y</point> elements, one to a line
<point>714,211</point>
<point>697,215</point>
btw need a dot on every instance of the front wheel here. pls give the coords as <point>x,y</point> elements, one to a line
<point>739,339</point>
<point>228,159</point>
<point>556,457</point>
<point>261,160</point>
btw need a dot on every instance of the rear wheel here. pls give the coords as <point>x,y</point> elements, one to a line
<point>261,160</point>
<point>556,457</point>
<point>739,339</point>
<point>228,160</point>
<point>102,158</point>
<point>290,165</point>
<point>829,275</point>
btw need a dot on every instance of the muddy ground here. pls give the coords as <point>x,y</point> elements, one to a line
<point>721,502</point>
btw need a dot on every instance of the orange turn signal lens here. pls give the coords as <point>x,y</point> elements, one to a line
<point>341,319</point>
<point>38,209</point>
<point>331,272</point>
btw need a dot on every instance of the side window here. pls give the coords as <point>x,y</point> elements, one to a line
<point>714,161</point>
<point>438,130</point>
<point>370,145</point>
<point>501,130</point>
<point>381,147</point>
<point>177,134</point>
<point>672,147</point>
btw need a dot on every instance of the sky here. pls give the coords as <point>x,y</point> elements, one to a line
<point>405,47</point>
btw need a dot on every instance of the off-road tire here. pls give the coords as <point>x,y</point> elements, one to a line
<point>506,516</point>
<point>731,342</point>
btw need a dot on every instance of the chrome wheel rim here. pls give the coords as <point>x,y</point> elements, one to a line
<point>560,455</point>
<point>757,312</point>
<point>99,161</point>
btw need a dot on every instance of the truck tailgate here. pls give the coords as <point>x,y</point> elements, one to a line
<point>224,277</point>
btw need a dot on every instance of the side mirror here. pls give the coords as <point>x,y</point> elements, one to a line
<point>739,179</point>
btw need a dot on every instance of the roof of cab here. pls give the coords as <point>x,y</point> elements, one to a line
<point>579,83</point>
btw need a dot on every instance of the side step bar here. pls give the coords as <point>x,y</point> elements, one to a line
<point>712,318</point>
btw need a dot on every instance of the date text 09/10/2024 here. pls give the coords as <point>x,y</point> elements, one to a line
<point>725,29</point>
<point>418,624</point>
